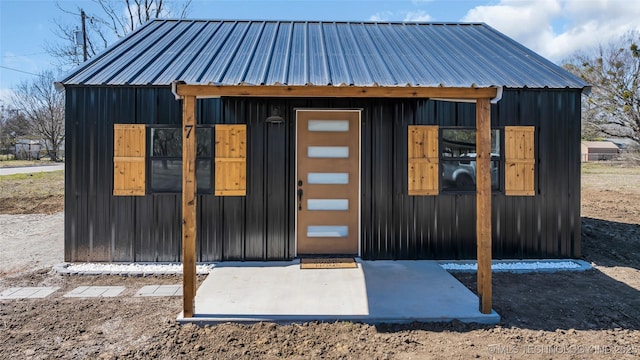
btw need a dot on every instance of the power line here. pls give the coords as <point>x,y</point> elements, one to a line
<point>22,71</point>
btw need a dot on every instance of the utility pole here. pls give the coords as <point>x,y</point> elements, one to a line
<point>83,16</point>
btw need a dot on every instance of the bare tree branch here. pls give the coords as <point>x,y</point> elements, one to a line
<point>113,19</point>
<point>43,109</point>
<point>613,70</point>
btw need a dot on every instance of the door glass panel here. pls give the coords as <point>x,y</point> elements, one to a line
<point>328,152</point>
<point>328,204</point>
<point>328,178</point>
<point>328,125</point>
<point>328,231</point>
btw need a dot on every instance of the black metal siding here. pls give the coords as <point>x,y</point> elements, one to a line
<point>260,226</point>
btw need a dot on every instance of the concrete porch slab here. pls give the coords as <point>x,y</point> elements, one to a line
<point>375,292</point>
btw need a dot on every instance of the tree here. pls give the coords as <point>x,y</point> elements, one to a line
<point>42,107</point>
<point>613,107</point>
<point>13,125</point>
<point>112,20</point>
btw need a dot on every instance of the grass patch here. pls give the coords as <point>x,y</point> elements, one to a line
<point>606,167</point>
<point>21,163</point>
<point>40,192</point>
<point>34,177</point>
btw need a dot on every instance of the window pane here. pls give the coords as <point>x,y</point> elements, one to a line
<point>166,142</point>
<point>328,151</point>
<point>328,231</point>
<point>328,125</point>
<point>462,142</point>
<point>203,176</point>
<point>461,175</point>
<point>328,204</point>
<point>458,175</point>
<point>495,175</point>
<point>458,142</point>
<point>458,159</point>
<point>203,142</point>
<point>166,175</point>
<point>495,143</point>
<point>328,178</point>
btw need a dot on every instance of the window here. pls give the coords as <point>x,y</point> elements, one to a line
<point>457,159</point>
<point>166,159</point>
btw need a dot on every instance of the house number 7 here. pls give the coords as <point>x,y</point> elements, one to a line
<point>188,128</point>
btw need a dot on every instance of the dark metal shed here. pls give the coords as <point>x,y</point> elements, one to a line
<point>413,88</point>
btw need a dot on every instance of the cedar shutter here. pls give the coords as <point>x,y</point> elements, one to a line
<point>128,159</point>
<point>519,160</point>
<point>423,160</point>
<point>231,160</point>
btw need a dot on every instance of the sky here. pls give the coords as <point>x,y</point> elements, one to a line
<point>553,28</point>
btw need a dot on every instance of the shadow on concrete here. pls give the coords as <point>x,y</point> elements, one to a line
<point>419,290</point>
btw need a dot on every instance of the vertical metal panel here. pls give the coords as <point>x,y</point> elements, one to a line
<point>256,205</point>
<point>260,226</point>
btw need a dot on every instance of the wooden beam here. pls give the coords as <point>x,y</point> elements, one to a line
<point>204,91</point>
<point>483,202</point>
<point>188,205</point>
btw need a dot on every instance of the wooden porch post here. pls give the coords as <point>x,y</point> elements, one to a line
<point>188,204</point>
<point>483,201</point>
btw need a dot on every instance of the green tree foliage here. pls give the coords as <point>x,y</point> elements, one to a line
<point>613,71</point>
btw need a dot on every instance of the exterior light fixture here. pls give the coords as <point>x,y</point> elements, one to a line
<point>275,117</point>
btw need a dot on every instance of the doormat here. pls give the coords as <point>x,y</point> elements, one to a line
<point>328,263</point>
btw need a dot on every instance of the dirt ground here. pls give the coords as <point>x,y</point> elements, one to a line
<point>566,315</point>
<point>34,193</point>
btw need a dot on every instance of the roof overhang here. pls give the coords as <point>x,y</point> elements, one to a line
<point>462,94</point>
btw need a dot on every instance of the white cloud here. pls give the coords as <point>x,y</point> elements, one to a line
<point>381,16</point>
<point>419,15</point>
<point>584,24</point>
<point>5,95</point>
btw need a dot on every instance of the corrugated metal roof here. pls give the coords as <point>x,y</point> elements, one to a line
<point>320,53</point>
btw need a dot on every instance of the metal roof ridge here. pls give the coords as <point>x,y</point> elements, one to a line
<point>327,21</point>
<point>309,84</point>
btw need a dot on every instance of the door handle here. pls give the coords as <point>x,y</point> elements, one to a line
<point>300,193</point>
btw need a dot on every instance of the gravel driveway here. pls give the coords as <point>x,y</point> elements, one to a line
<point>30,242</point>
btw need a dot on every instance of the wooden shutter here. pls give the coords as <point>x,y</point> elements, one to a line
<point>519,160</point>
<point>231,160</point>
<point>128,159</point>
<point>423,160</point>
